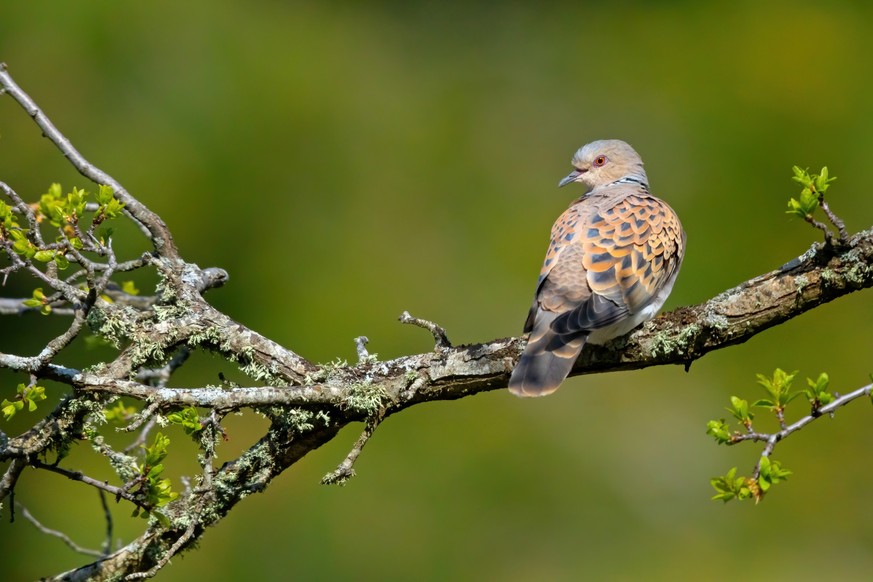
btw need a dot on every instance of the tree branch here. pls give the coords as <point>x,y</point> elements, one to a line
<point>156,228</point>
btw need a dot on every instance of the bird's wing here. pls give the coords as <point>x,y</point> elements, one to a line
<point>609,262</point>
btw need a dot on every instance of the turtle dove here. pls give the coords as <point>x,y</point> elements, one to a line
<point>612,260</point>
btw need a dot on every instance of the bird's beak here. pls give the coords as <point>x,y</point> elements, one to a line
<point>571,177</point>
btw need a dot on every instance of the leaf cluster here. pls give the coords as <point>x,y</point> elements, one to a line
<point>188,419</point>
<point>25,396</point>
<point>814,188</point>
<point>155,491</point>
<point>65,212</point>
<point>768,472</point>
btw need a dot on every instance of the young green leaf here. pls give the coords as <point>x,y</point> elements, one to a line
<point>25,396</point>
<point>740,409</point>
<point>817,392</point>
<point>771,472</point>
<point>778,387</point>
<point>729,487</point>
<point>719,430</point>
<point>188,418</point>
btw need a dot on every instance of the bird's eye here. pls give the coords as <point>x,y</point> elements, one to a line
<point>599,160</point>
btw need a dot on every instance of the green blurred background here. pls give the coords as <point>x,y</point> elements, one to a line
<point>346,161</point>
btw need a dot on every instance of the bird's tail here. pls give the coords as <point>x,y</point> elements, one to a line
<point>546,361</point>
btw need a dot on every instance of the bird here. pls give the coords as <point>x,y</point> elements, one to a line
<point>613,257</point>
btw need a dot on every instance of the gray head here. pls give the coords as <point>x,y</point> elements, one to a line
<point>603,162</point>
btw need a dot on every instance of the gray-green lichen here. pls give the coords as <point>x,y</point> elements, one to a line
<point>858,275</point>
<point>801,281</point>
<point>829,277</point>
<point>366,397</point>
<point>112,322</point>
<point>326,372</point>
<point>666,343</point>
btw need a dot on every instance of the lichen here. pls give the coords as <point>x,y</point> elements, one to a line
<point>299,419</point>
<point>366,397</point>
<point>801,281</point>
<point>828,276</point>
<point>858,275</point>
<point>667,342</point>
<point>113,322</point>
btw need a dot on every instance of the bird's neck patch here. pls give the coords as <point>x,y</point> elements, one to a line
<point>629,180</point>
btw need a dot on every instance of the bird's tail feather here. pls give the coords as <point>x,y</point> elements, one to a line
<point>545,363</point>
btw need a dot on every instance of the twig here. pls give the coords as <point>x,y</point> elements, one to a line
<point>118,492</point>
<point>183,539</point>
<point>58,534</point>
<point>835,220</point>
<point>107,544</point>
<point>439,334</point>
<point>345,470</point>
<point>827,410</point>
<point>829,236</point>
<point>772,439</point>
<point>143,435</point>
<point>160,376</point>
<point>140,418</point>
<point>361,347</point>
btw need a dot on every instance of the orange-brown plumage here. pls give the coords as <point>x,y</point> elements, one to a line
<point>612,260</point>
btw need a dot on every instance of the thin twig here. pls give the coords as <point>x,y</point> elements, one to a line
<point>107,543</point>
<point>836,221</point>
<point>140,418</point>
<point>58,534</point>
<point>160,376</point>
<point>361,347</point>
<point>772,439</point>
<point>795,426</point>
<point>439,334</point>
<point>346,469</point>
<point>183,539</point>
<point>829,236</point>
<point>143,435</point>
<point>118,492</point>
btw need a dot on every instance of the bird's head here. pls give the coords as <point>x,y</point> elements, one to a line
<point>603,162</point>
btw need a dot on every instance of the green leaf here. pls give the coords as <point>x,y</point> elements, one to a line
<point>158,451</point>
<point>740,409</point>
<point>188,418</point>
<point>44,256</point>
<point>817,392</point>
<point>129,287</point>
<point>778,387</point>
<point>719,430</point>
<point>770,473</point>
<point>800,175</point>
<point>9,409</point>
<point>22,246</point>
<point>61,261</point>
<point>729,487</point>
<point>119,413</point>
<point>104,194</point>
<point>25,396</point>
